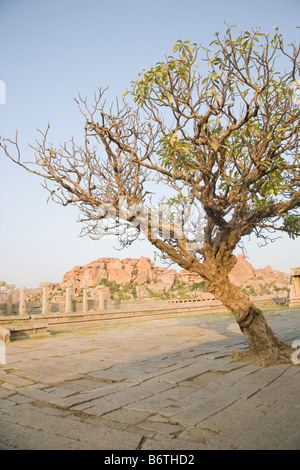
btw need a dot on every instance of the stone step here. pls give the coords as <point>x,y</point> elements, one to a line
<point>27,330</point>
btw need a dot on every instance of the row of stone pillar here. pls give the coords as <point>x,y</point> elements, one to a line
<point>69,298</point>
<point>9,302</point>
<point>103,296</point>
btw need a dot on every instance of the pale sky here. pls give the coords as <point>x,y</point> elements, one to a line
<point>53,50</point>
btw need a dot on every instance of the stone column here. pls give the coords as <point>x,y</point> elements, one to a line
<point>9,306</point>
<point>45,302</point>
<point>84,288</point>
<point>104,294</point>
<point>295,288</point>
<point>2,283</point>
<point>69,299</point>
<point>22,302</point>
<point>101,297</point>
<point>84,299</point>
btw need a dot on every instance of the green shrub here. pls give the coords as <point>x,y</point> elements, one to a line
<point>199,285</point>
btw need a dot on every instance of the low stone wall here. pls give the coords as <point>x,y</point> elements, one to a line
<point>110,315</point>
<point>77,305</point>
<point>28,330</point>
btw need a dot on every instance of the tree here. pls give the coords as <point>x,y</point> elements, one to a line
<point>224,143</point>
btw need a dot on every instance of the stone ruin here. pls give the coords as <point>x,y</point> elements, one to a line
<point>102,300</point>
<point>23,308</point>
<point>294,299</point>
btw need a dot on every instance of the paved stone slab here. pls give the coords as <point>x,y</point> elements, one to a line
<point>284,388</point>
<point>202,408</point>
<point>263,428</point>
<point>185,373</point>
<point>100,436</point>
<point>126,415</point>
<point>171,429</point>
<point>229,415</point>
<point>166,384</point>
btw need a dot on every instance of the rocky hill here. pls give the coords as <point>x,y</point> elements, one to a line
<point>141,278</point>
<point>138,278</point>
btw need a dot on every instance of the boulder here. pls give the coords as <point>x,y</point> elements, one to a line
<point>158,287</point>
<point>242,271</point>
<point>4,334</point>
<point>142,292</point>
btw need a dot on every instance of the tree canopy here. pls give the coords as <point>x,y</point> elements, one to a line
<point>226,138</point>
<point>215,130</point>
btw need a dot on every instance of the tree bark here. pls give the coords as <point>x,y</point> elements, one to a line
<point>265,348</point>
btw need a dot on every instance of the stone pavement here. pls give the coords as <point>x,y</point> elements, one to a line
<point>151,385</point>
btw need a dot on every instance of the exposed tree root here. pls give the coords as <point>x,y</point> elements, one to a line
<point>264,358</point>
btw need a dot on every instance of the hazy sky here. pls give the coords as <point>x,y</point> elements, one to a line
<point>53,50</point>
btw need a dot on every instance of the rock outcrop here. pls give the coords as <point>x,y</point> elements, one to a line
<point>258,281</point>
<point>140,278</point>
<point>143,273</point>
<point>129,270</point>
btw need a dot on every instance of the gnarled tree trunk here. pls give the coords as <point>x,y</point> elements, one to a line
<point>265,347</point>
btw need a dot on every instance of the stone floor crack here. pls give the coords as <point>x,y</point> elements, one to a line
<point>141,443</point>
